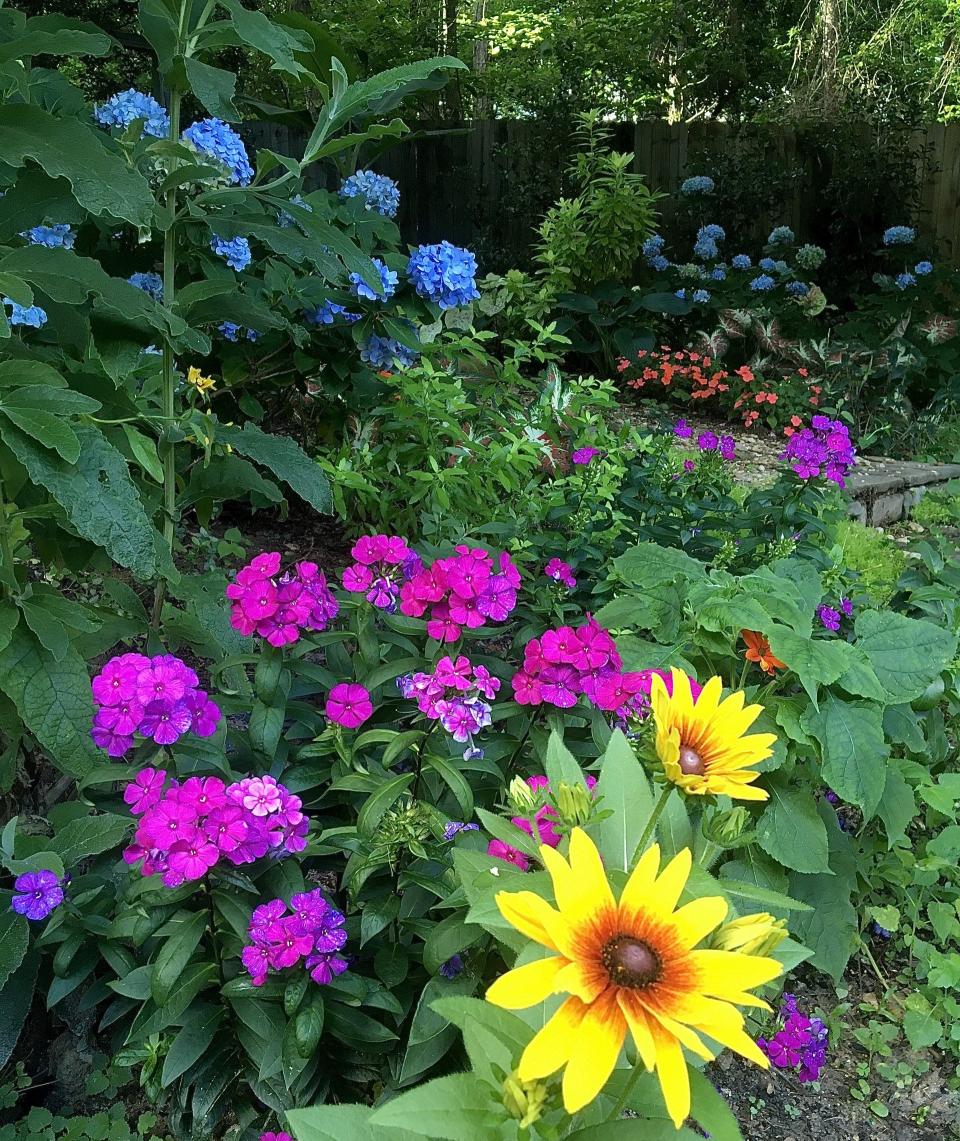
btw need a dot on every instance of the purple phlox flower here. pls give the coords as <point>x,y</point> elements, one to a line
<point>455,827</point>
<point>452,967</point>
<point>707,442</point>
<point>829,618</point>
<point>37,894</point>
<point>583,456</point>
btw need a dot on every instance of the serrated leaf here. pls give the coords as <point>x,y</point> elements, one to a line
<point>14,941</point>
<point>457,1107</point>
<point>214,87</point>
<point>89,836</point>
<point>791,830</point>
<point>285,458</point>
<point>46,428</point>
<point>906,654</point>
<point>853,749</point>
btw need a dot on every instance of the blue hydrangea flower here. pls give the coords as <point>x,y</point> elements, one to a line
<point>781,236</point>
<point>713,231</point>
<point>718,273</point>
<point>767,264</point>
<point>811,257</point>
<point>444,274</point>
<point>32,316</point>
<point>698,184</point>
<point>125,107</point>
<point>388,283</point>
<point>798,288</point>
<point>231,332</point>
<point>328,312</point>
<point>899,236</point>
<point>659,263</point>
<point>706,248</point>
<point>386,353</point>
<point>922,268</point>
<point>235,251</point>
<point>57,236</point>
<point>285,221</point>
<point>653,245</point>
<point>905,280</point>
<point>762,283</point>
<point>681,293</point>
<point>151,283</point>
<point>741,261</point>
<point>701,296</point>
<point>378,191</point>
<point>217,140</point>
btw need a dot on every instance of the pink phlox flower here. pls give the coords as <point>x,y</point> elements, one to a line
<point>357,579</point>
<point>560,685</point>
<point>115,683</point>
<point>506,852</point>
<point>526,689</point>
<point>166,721</point>
<point>561,645</point>
<point>452,674</point>
<point>193,857</point>
<point>145,790</point>
<point>257,963</point>
<point>261,797</point>
<point>349,705</point>
<point>226,827</point>
<point>487,685</point>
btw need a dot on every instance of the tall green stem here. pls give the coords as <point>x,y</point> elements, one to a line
<point>169,373</point>
<point>652,823</point>
<point>8,570</point>
<point>621,1103</point>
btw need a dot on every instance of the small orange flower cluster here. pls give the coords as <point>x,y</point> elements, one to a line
<point>666,365</point>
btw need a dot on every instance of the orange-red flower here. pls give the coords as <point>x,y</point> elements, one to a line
<point>758,650</point>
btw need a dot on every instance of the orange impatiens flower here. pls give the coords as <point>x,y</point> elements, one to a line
<point>628,966</point>
<point>758,650</point>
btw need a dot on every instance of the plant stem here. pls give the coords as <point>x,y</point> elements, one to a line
<point>614,1114</point>
<point>8,572</point>
<point>169,288</point>
<point>652,823</point>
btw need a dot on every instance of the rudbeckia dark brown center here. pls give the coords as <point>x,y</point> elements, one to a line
<point>691,763</point>
<point>630,962</point>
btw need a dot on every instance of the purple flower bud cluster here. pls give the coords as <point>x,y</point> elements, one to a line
<point>823,449</point>
<point>312,931</point>
<point>185,829</point>
<point>800,1044</point>
<point>279,607</point>
<point>462,590</point>
<point>454,695</point>
<point>830,617</point>
<point>560,572</point>
<point>37,894</point>
<point>381,565</point>
<point>154,697</point>
<point>709,442</point>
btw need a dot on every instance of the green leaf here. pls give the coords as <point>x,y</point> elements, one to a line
<point>457,1107</point>
<point>174,955</point>
<point>89,836</point>
<point>341,1123</point>
<point>853,749</point>
<point>53,699</point>
<point>762,895</point>
<point>285,458</point>
<point>455,781</point>
<point>102,181</point>
<point>791,829</point>
<point>191,1041</point>
<point>897,806</point>
<point>374,807</point>
<point>48,429</point>
<point>50,631</point>
<point>431,1035</point>
<point>16,998</point>
<point>255,30</point>
<point>907,654</point>
<point>492,1036</point>
<point>623,788</point>
<point>14,941</point>
<point>648,565</point>
<point>448,938</point>
<point>814,661</point>
<point>710,1110</point>
<point>561,765</point>
<point>922,1028</point>
<point>46,397</point>
<point>97,494</point>
<point>54,34</point>
<point>144,451</point>
<point>214,87</point>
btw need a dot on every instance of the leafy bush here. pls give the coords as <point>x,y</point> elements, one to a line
<point>873,557</point>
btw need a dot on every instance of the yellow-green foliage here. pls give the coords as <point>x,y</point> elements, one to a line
<point>937,510</point>
<point>877,560</point>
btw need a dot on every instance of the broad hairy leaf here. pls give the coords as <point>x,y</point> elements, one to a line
<point>89,836</point>
<point>14,941</point>
<point>791,829</point>
<point>285,458</point>
<point>907,654</point>
<point>458,1107</point>
<point>624,790</point>
<point>852,747</point>
<point>54,35</point>
<point>16,998</point>
<point>103,183</point>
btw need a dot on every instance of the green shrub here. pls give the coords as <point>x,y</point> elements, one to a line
<point>873,556</point>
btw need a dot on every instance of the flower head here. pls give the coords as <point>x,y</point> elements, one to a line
<point>349,705</point>
<point>923,268</point>
<point>388,284</point>
<point>150,283</point>
<point>758,650</point>
<point>126,107</point>
<point>36,894</point>
<point>379,192</point>
<point>198,381</point>
<point>781,236</point>
<point>628,965</point>
<point>763,283</point>
<point>583,456</point>
<point>234,251</point>
<point>31,316</point>
<point>741,261</point>
<point>899,236</point>
<point>217,140</point>
<point>698,184</point>
<point>444,274</point>
<point>387,353</point>
<point>701,742</point>
<point>58,236</point>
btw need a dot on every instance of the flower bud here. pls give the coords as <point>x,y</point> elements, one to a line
<point>524,1101</point>
<point>523,799</point>
<point>574,804</point>
<point>758,934</point>
<point>726,829</point>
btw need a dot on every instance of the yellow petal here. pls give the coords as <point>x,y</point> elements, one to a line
<point>685,1035</point>
<point>527,985</point>
<point>593,1058</point>
<point>738,1041</point>
<point>550,1048</point>
<point>744,792</point>
<point>723,971</point>
<point>707,703</point>
<point>672,1073</point>
<point>587,873</point>
<point>586,980</point>
<point>641,881</point>
<point>637,1020</point>
<point>564,889</point>
<point>698,918</point>
<point>671,882</point>
<point>531,915</point>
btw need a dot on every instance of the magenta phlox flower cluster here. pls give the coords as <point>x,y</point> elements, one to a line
<point>279,607</point>
<point>824,449</point>
<point>457,694</point>
<point>467,589</point>
<point>560,572</point>
<point>158,698</point>
<point>800,1043</point>
<point>381,565</point>
<point>185,829</point>
<point>282,935</point>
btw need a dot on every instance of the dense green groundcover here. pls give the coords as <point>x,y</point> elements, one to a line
<point>270,815</point>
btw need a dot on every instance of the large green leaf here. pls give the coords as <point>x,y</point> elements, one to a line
<point>815,661</point>
<point>54,35</point>
<point>458,1107</point>
<point>285,458</point>
<point>257,32</point>
<point>623,790</point>
<point>192,1040</point>
<point>53,699</point>
<point>853,749</point>
<point>214,87</point>
<point>648,565</point>
<point>342,1123</point>
<point>906,653</point>
<point>96,493</point>
<point>46,428</point>
<point>897,806</point>
<point>16,998</point>
<point>791,829</point>
<point>175,953</point>
<point>14,941</point>
<point>431,1034</point>
<point>103,183</point>
<point>89,836</point>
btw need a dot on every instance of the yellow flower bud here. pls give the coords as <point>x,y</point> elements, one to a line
<point>524,1101</point>
<point>758,934</point>
<point>574,804</point>
<point>725,829</point>
<point>522,797</point>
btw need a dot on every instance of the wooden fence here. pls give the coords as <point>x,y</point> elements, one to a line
<point>486,184</point>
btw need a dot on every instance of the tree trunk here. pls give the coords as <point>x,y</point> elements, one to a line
<point>481,49</point>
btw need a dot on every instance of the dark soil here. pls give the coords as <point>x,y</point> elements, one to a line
<point>300,534</point>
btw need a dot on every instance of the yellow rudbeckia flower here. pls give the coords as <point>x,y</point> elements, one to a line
<point>631,964</point>
<point>701,743</point>
<point>197,380</point>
